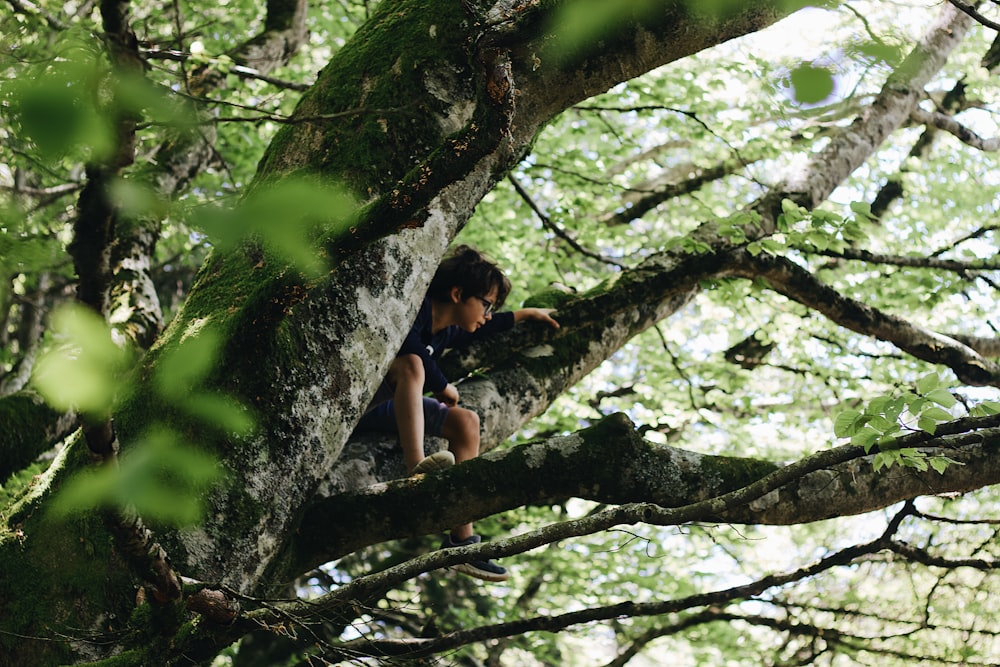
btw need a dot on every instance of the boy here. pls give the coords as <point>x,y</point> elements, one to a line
<point>459,308</point>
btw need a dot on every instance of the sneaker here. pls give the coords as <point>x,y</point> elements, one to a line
<point>486,570</point>
<point>436,461</point>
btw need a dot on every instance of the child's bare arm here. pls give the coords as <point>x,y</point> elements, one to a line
<point>448,395</point>
<point>537,315</point>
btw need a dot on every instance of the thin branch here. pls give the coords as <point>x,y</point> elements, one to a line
<point>29,8</point>
<point>689,114</point>
<point>800,285</point>
<point>965,431</point>
<point>975,234</point>
<point>921,262</point>
<point>241,71</point>
<point>971,11</point>
<point>418,647</point>
<point>924,557</point>
<point>948,124</point>
<point>667,191</point>
<point>556,229</point>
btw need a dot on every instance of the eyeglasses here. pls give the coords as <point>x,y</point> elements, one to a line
<point>487,306</point>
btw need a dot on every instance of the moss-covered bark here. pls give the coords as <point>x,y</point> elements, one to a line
<point>30,428</point>
<point>610,463</point>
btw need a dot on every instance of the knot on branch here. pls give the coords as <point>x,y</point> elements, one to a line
<point>214,605</point>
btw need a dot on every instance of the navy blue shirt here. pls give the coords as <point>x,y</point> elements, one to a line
<point>429,346</point>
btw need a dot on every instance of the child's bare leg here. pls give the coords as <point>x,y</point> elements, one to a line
<point>406,373</point>
<point>461,429</point>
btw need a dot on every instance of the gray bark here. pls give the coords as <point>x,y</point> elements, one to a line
<point>610,463</point>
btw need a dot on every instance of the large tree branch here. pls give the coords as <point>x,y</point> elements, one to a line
<point>177,161</point>
<point>668,31</point>
<point>417,647</point>
<point>889,111</point>
<point>971,11</point>
<point>610,463</point>
<point>943,121</point>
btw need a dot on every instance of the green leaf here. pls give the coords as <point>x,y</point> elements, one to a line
<point>939,463</point>
<point>865,438</point>
<point>160,477</point>
<point>55,108</point>
<point>579,24</point>
<point>293,219</point>
<point>928,383</point>
<point>185,366</point>
<point>942,397</point>
<point>852,231</point>
<point>845,424</point>
<point>792,211</point>
<point>878,404</point>
<point>221,411</point>
<point>987,408</point>
<point>880,52</point>
<point>82,369</point>
<point>862,209</point>
<point>883,425</point>
<point>137,200</point>
<point>927,424</point>
<point>937,414</point>
<point>811,84</point>
<point>883,460</point>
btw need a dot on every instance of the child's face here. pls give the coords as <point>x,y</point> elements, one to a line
<point>472,311</point>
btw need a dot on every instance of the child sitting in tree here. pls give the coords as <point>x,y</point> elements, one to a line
<point>460,307</point>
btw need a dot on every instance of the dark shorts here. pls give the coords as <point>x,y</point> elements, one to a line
<point>382,418</point>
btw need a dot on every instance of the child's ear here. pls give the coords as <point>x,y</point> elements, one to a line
<point>455,294</point>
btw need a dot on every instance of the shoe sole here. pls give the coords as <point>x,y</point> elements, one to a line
<point>480,574</point>
<point>436,461</point>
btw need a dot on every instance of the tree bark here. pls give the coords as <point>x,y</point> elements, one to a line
<point>610,463</point>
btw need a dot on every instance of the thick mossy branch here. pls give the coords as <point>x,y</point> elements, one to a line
<point>610,463</point>
<point>31,428</point>
<point>373,95</point>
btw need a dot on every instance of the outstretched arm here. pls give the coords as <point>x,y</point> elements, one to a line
<point>536,314</point>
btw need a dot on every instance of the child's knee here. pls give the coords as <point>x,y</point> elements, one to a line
<point>406,367</point>
<point>464,424</point>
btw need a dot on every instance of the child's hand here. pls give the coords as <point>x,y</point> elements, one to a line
<point>537,315</point>
<point>448,395</point>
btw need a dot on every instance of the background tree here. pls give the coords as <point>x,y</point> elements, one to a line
<point>723,281</point>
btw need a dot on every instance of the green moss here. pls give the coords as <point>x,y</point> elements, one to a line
<point>124,659</point>
<point>735,472</point>
<point>55,577</point>
<point>17,484</point>
<point>375,87</point>
<point>26,422</point>
<point>552,297</point>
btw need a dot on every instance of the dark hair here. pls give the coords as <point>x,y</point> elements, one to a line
<point>472,272</point>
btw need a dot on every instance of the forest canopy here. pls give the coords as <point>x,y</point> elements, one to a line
<point>766,429</point>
